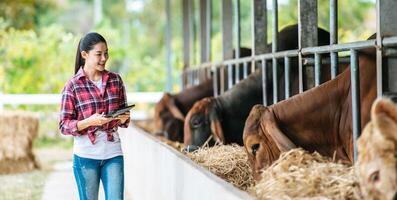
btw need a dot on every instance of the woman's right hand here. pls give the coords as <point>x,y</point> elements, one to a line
<point>98,119</point>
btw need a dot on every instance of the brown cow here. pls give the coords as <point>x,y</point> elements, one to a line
<point>223,117</point>
<point>320,119</point>
<point>376,165</point>
<point>170,111</point>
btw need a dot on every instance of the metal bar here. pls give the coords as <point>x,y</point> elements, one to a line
<point>259,27</point>
<point>274,49</point>
<point>287,76</point>
<point>168,46</point>
<point>333,27</point>
<point>389,41</point>
<point>275,81</point>
<point>355,85</point>
<point>237,74</point>
<point>227,29</point>
<point>186,34</point>
<point>203,31</point>
<point>208,29</point>
<point>317,69</point>
<point>274,26</point>
<point>238,29</point>
<point>339,47</point>
<point>215,80</point>
<point>245,69</point>
<point>222,77</point>
<point>229,76</point>
<point>264,82</point>
<point>326,61</point>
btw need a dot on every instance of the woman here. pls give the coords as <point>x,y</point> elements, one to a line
<point>92,92</point>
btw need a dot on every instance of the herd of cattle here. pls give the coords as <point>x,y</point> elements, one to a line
<point>319,119</point>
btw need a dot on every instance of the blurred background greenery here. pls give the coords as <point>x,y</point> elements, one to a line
<point>38,41</point>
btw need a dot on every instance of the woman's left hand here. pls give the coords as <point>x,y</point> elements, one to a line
<point>123,117</point>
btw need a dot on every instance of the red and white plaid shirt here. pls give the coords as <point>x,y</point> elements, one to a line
<point>81,99</point>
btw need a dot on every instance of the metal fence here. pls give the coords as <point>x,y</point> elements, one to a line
<point>308,52</point>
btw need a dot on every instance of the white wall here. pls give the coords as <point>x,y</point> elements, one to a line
<point>154,170</point>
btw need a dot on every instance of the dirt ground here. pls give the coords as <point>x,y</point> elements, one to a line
<point>30,185</point>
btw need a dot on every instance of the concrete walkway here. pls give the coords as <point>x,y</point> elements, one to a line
<point>61,184</point>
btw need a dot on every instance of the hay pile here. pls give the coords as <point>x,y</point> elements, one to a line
<point>17,131</point>
<point>226,161</point>
<point>298,173</point>
<point>175,144</point>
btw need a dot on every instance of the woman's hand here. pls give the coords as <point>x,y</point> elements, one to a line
<point>123,117</point>
<point>94,120</point>
<point>98,119</point>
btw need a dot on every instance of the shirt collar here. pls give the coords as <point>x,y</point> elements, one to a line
<point>80,74</point>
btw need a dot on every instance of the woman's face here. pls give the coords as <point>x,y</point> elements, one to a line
<point>96,57</point>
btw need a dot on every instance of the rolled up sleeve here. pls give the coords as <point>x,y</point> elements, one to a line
<point>123,102</point>
<point>68,117</point>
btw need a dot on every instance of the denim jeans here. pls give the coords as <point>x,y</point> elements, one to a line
<point>88,172</point>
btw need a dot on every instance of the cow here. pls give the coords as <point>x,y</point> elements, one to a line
<point>376,166</point>
<point>223,117</point>
<point>319,119</point>
<point>170,111</point>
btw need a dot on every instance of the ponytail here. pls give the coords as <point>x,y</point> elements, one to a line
<point>79,60</point>
<point>86,44</point>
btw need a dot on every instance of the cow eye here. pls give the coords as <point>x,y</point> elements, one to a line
<point>374,177</point>
<point>254,148</point>
<point>196,121</point>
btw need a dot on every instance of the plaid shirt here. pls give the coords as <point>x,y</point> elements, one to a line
<point>81,99</point>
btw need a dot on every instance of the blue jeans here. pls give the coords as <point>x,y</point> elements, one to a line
<point>88,172</point>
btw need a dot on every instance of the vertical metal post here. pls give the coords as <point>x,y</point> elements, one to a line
<point>186,39</point>
<point>227,29</point>
<point>168,45</point>
<point>259,27</point>
<point>245,68</point>
<point>386,66</point>
<point>238,29</point>
<point>355,85</point>
<point>287,76</point>
<point>274,49</point>
<point>204,56</point>
<point>229,76</point>
<point>215,80</point>
<point>237,73</point>
<point>333,27</point>
<point>307,25</point>
<point>317,69</point>
<point>264,82</point>
<point>222,79</point>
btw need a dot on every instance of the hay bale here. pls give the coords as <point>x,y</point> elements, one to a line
<point>298,174</point>
<point>17,132</point>
<point>229,162</point>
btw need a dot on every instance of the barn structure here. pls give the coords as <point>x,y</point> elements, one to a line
<point>227,73</point>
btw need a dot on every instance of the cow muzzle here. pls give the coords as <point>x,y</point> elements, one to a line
<point>191,148</point>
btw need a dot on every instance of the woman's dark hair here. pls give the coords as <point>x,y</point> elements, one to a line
<point>86,44</point>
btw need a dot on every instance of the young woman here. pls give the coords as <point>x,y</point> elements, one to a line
<point>90,94</point>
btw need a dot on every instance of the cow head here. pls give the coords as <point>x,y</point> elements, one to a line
<point>377,164</point>
<point>259,146</point>
<point>168,119</point>
<point>201,122</point>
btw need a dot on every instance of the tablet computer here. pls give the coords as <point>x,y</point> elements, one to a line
<point>119,111</point>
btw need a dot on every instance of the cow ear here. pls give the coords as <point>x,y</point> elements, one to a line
<point>173,108</point>
<point>187,135</point>
<point>216,126</point>
<point>282,141</point>
<point>384,117</point>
